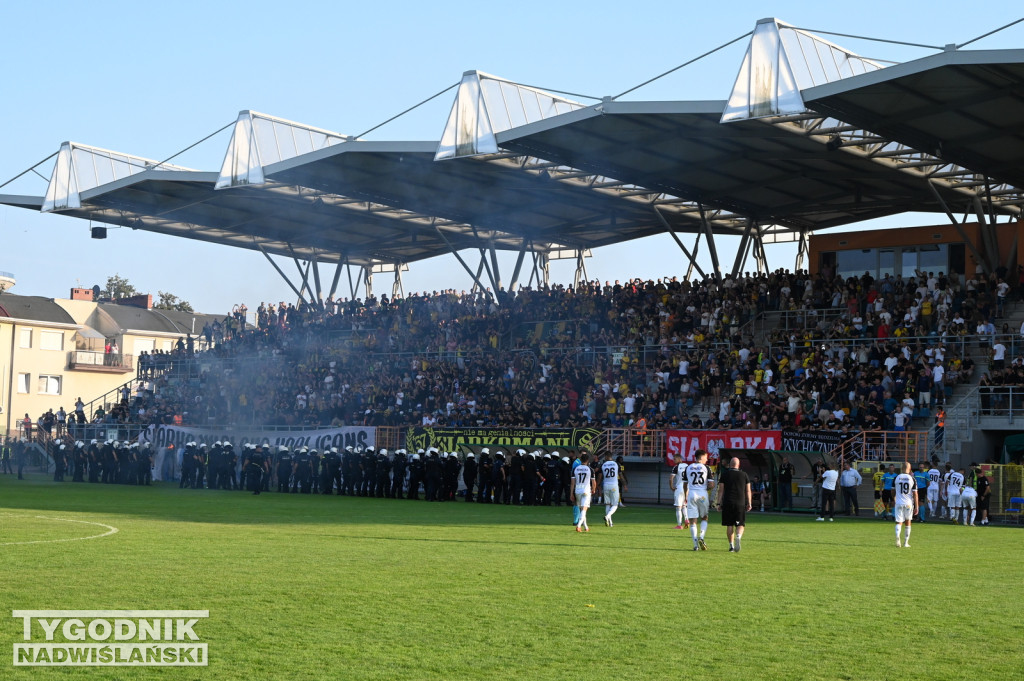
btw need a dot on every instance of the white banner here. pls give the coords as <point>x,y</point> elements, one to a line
<point>162,436</point>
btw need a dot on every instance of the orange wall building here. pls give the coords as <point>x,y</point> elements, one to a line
<point>900,251</point>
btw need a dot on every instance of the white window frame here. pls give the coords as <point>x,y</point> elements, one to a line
<point>46,336</point>
<point>48,377</point>
<point>22,342</point>
<point>24,381</point>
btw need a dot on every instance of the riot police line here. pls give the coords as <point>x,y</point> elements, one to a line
<point>527,478</point>
<point>110,462</point>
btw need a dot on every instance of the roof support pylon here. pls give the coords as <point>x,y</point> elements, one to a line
<point>486,105</point>
<point>780,61</point>
<point>259,140</point>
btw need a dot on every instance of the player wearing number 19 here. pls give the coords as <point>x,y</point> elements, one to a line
<point>905,502</point>
<point>610,488</point>
<point>696,481</point>
<point>584,487</point>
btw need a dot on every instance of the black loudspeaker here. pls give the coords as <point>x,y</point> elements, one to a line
<point>99,232</point>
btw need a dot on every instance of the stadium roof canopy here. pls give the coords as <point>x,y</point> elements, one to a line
<point>811,137</point>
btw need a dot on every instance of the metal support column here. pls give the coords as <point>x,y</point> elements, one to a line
<point>519,266</point>
<point>337,276</point>
<point>683,248</point>
<point>279,270</point>
<point>696,247</point>
<point>741,252</point>
<point>368,279</point>
<point>305,283</point>
<point>483,256</point>
<point>757,245</point>
<point>711,242</point>
<point>960,230</point>
<point>494,268</point>
<point>316,281</point>
<point>581,269</point>
<point>801,252</point>
<point>396,287</point>
<point>352,288</point>
<point>458,257</point>
<point>987,233</point>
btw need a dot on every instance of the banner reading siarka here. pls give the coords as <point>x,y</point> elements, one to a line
<point>547,439</point>
<point>163,435</point>
<point>686,442</point>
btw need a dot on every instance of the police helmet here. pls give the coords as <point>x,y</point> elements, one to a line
<point>415,457</point>
<point>471,455</point>
<point>565,459</point>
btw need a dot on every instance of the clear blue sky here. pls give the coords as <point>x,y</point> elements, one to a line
<point>152,78</point>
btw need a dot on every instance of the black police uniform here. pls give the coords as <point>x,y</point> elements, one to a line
<point>383,475</point>
<point>498,479</point>
<point>416,470</point>
<point>514,475</point>
<point>398,464</point>
<point>432,476</point>
<point>469,473</point>
<point>284,470</point>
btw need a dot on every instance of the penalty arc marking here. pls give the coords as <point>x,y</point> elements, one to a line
<point>110,530</point>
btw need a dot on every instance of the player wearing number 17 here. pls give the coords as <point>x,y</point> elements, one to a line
<point>610,488</point>
<point>584,487</point>
<point>696,480</point>
<point>905,502</point>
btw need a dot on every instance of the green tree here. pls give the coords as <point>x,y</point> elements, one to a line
<point>169,301</point>
<point>118,287</point>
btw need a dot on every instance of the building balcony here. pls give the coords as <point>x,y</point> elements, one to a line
<point>88,360</point>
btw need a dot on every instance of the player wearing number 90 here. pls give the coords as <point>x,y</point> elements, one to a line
<point>905,506</point>
<point>584,486</point>
<point>696,481</point>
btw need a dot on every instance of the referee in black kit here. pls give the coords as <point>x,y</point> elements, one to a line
<point>734,500</point>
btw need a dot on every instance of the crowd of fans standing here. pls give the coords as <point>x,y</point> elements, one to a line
<point>853,353</point>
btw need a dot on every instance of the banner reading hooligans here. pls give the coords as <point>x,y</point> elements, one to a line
<point>323,438</point>
<point>547,439</point>
<point>686,442</point>
<point>811,441</point>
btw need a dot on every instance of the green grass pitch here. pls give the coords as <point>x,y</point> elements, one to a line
<point>316,587</point>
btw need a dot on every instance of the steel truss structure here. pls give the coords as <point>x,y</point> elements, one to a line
<point>812,137</point>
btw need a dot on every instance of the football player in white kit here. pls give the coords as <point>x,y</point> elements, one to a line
<point>610,487</point>
<point>696,480</point>
<point>969,499</point>
<point>675,482</point>
<point>584,487</point>
<point>954,483</point>
<point>904,488</point>
<point>934,477</point>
